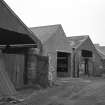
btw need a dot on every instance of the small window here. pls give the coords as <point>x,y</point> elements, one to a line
<point>86,53</point>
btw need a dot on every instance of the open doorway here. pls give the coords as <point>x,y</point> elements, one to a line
<point>86,55</point>
<point>63,64</point>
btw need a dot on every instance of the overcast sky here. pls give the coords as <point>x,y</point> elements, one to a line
<point>78,17</point>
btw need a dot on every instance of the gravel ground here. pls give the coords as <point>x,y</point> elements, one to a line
<point>62,90</point>
<point>71,92</point>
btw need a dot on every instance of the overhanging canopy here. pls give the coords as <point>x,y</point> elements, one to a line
<point>8,37</point>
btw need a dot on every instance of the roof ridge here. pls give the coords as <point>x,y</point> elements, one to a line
<point>79,36</point>
<point>78,40</point>
<point>82,42</point>
<point>45,26</point>
<point>45,32</point>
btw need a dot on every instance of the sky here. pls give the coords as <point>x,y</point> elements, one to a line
<point>77,17</point>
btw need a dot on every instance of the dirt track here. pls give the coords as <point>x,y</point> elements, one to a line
<point>71,92</point>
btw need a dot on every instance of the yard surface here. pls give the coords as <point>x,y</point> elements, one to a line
<point>71,92</point>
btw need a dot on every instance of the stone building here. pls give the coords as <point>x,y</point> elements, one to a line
<point>101,51</point>
<point>85,58</point>
<point>56,47</point>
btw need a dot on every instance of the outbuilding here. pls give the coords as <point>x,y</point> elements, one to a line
<point>56,47</point>
<point>101,51</point>
<point>85,58</point>
<point>20,49</point>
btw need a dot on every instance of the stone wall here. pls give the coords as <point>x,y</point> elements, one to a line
<point>42,71</point>
<point>37,69</point>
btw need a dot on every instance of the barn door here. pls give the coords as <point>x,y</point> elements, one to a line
<point>18,70</point>
<point>15,68</point>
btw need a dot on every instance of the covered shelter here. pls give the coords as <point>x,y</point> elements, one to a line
<point>17,45</point>
<point>15,51</point>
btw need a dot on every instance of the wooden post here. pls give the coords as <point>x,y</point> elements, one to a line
<point>78,60</point>
<point>73,63</point>
<point>78,69</point>
<point>69,64</point>
<point>26,70</point>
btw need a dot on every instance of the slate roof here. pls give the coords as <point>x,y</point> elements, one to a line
<point>10,21</point>
<point>45,32</point>
<point>101,50</point>
<point>76,41</point>
<point>11,15</point>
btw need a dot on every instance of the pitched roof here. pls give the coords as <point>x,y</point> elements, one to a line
<point>101,50</point>
<point>76,41</point>
<point>45,32</point>
<point>10,21</point>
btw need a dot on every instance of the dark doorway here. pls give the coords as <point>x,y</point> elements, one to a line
<point>86,54</point>
<point>62,63</point>
<point>86,71</point>
<point>84,68</point>
<point>25,74</point>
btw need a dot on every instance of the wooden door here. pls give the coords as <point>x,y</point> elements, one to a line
<point>15,67</point>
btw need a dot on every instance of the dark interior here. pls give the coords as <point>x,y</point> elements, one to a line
<point>62,62</point>
<point>10,37</point>
<point>16,43</point>
<point>86,53</point>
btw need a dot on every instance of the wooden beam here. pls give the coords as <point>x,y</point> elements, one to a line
<point>23,45</point>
